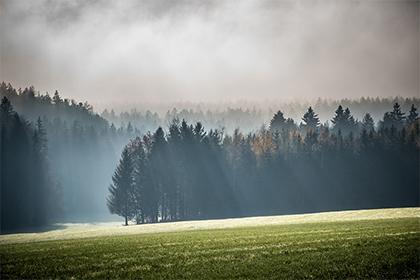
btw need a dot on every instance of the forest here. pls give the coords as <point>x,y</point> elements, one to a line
<point>189,173</point>
<point>60,162</point>
<point>81,151</point>
<point>249,117</point>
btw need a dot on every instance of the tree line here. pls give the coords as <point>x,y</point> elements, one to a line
<point>189,173</point>
<point>29,196</point>
<point>82,149</point>
<point>250,117</point>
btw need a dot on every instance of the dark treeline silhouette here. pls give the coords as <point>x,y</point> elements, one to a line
<point>62,148</point>
<point>189,173</point>
<point>29,196</point>
<point>250,117</point>
<point>83,148</point>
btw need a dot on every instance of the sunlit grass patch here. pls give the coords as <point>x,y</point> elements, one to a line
<point>381,248</point>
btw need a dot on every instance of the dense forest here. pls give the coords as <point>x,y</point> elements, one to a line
<point>58,157</point>
<point>250,117</point>
<point>190,173</point>
<point>83,149</point>
<point>29,196</point>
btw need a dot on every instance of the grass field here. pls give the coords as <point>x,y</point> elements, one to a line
<point>378,244</point>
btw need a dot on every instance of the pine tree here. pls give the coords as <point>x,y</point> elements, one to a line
<point>394,119</point>
<point>6,109</point>
<point>140,178</point>
<point>397,116</point>
<point>160,184</point>
<point>413,116</point>
<point>176,168</point>
<point>368,124</point>
<point>278,122</point>
<point>56,98</point>
<point>120,200</point>
<point>338,119</point>
<point>43,185</point>
<point>310,119</point>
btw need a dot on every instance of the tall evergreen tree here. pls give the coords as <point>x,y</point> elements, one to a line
<point>367,123</point>
<point>140,174</point>
<point>393,120</point>
<point>397,114</point>
<point>158,162</point>
<point>413,116</point>
<point>120,199</point>
<point>310,119</point>
<point>278,122</point>
<point>339,119</point>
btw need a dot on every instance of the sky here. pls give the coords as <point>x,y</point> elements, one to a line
<point>153,51</point>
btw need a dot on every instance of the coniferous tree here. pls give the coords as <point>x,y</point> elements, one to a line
<point>140,174</point>
<point>413,116</point>
<point>120,199</point>
<point>27,192</point>
<point>367,123</point>
<point>176,169</point>
<point>310,119</point>
<point>393,120</point>
<point>339,119</point>
<point>40,173</point>
<point>397,114</point>
<point>158,165</point>
<point>278,122</point>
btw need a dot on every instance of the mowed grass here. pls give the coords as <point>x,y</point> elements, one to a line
<point>382,249</point>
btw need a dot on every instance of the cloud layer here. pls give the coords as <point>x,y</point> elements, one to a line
<point>125,52</point>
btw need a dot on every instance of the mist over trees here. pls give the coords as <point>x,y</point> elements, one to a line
<point>62,154</point>
<point>250,117</point>
<point>83,148</point>
<point>190,173</point>
<point>29,195</point>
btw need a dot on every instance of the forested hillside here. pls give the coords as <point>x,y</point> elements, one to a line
<point>29,196</point>
<point>183,171</point>
<point>82,149</point>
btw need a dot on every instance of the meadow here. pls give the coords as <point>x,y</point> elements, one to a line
<point>374,244</point>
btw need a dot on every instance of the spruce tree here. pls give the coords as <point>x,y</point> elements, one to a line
<point>368,123</point>
<point>310,119</point>
<point>140,178</point>
<point>397,116</point>
<point>338,119</point>
<point>413,116</point>
<point>120,199</point>
<point>278,122</point>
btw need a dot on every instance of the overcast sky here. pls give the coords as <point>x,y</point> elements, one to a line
<point>127,52</point>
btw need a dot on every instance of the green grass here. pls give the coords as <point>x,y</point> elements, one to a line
<point>382,249</point>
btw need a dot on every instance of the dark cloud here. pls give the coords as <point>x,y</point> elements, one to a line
<point>162,50</point>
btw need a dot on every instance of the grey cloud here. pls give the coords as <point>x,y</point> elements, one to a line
<point>111,52</point>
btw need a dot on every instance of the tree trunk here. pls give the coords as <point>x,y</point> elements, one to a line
<point>126,220</point>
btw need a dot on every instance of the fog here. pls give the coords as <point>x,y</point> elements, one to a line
<point>123,53</point>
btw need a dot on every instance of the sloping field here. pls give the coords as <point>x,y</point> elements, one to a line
<point>378,244</point>
<point>71,231</point>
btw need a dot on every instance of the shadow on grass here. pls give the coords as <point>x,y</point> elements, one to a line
<point>39,229</point>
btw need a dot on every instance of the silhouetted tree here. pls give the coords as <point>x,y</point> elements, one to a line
<point>120,199</point>
<point>413,116</point>
<point>310,119</point>
<point>367,123</point>
<point>278,122</point>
